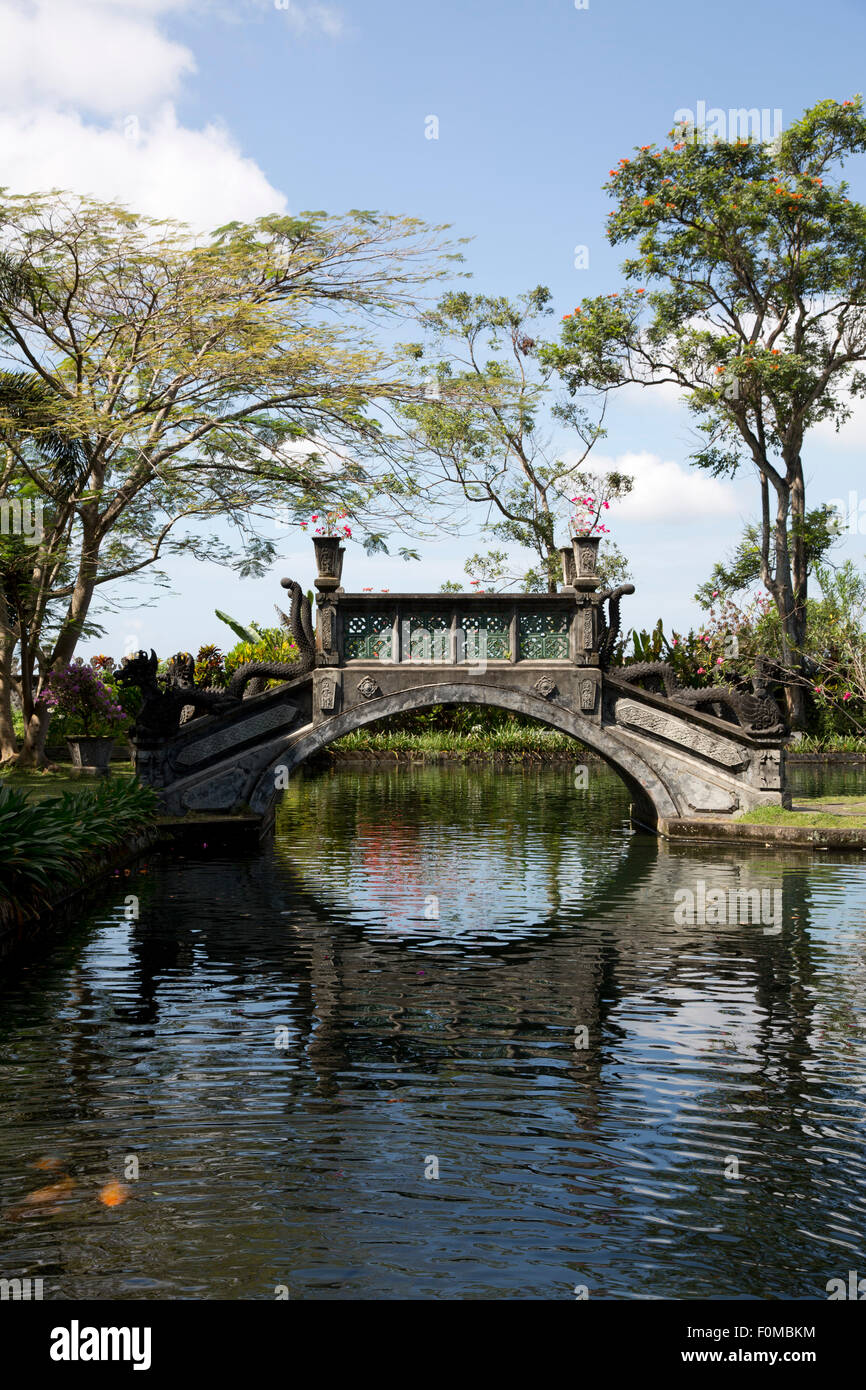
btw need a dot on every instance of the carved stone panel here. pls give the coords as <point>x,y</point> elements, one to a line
<point>587,691</point>
<point>586,552</point>
<point>326,625</point>
<point>651,721</point>
<point>218,794</point>
<point>278,717</point>
<point>545,687</point>
<point>770,770</point>
<point>367,688</point>
<point>327,694</point>
<point>587,628</point>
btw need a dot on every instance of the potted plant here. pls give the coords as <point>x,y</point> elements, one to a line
<point>89,712</point>
<point>586,534</point>
<point>329,529</point>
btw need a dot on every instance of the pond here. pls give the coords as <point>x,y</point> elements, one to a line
<point>447,1036</point>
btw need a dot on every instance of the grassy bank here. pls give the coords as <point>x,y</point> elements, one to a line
<point>37,786</point>
<point>517,740</point>
<point>818,813</point>
<point>536,743</point>
<point>52,844</point>
<point>835,743</point>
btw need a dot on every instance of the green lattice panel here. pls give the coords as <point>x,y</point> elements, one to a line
<point>486,638</point>
<point>427,637</point>
<point>368,637</point>
<point>543,636</point>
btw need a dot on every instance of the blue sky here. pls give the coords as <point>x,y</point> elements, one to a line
<point>244,106</point>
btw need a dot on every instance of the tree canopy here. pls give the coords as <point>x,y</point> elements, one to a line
<point>202,382</point>
<point>747,291</point>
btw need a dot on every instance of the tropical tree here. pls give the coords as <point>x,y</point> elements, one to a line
<point>31,418</point>
<point>228,381</point>
<point>741,570</point>
<point>484,419</point>
<point>751,263</point>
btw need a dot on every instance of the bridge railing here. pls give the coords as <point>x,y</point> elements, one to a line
<point>457,629</point>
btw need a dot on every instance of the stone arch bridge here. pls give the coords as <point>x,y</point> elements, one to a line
<point>542,655</point>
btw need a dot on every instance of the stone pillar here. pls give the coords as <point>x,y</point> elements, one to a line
<point>328,636</point>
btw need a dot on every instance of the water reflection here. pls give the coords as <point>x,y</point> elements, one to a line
<point>285,1041</point>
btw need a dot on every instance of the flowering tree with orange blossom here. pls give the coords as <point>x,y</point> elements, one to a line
<point>750,263</point>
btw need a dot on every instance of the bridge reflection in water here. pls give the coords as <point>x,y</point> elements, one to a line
<point>287,1039</point>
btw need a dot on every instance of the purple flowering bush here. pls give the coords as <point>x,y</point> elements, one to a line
<point>83,704</point>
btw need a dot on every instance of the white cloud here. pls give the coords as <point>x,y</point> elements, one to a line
<point>86,104</point>
<point>162,169</point>
<point>665,491</point>
<point>103,58</point>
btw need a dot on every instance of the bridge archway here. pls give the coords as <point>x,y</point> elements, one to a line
<point>651,797</point>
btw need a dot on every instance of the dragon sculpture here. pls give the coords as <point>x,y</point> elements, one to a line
<point>609,627</point>
<point>754,709</point>
<point>253,678</point>
<point>165,701</point>
<point>173,700</point>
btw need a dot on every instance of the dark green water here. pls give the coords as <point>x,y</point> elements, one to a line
<point>289,1043</point>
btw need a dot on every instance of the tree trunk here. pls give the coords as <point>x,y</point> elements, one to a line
<point>8,741</point>
<point>795,705</point>
<point>35,735</point>
<point>795,619</point>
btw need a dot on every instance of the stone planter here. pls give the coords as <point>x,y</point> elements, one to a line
<point>90,754</point>
<point>569,569</point>
<point>586,555</point>
<point>329,562</point>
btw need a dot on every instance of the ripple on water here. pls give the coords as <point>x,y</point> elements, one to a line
<point>479,972</point>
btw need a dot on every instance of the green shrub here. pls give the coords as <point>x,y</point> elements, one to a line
<point>45,844</point>
<point>275,645</point>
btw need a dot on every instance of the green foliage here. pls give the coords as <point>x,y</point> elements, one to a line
<point>520,742</point>
<point>455,719</point>
<point>250,633</point>
<point>210,667</point>
<point>45,845</point>
<point>181,383</point>
<point>832,743</point>
<point>747,271</point>
<point>742,569</point>
<point>650,646</point>
<point>273,644</point>
<point>479,421</point>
